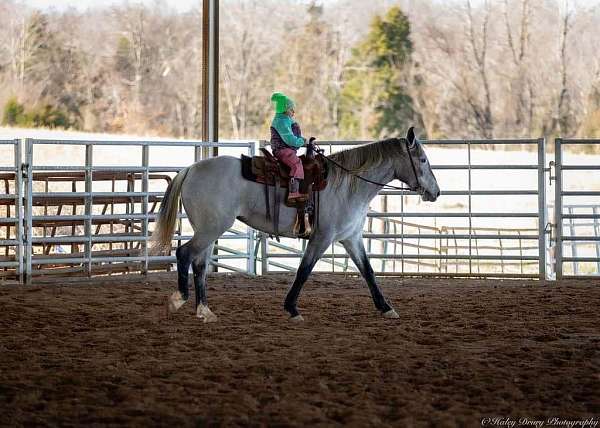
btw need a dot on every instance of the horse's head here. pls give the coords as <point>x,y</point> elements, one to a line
<point>416,171</point>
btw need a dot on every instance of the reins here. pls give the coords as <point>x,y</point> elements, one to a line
<point>354,174</point>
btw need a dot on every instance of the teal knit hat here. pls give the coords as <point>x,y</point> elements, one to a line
<point>282,103</point>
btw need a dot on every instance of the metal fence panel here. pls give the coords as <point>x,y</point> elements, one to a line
<point>401,239</point>
<point>131,211</point>
<point>411,246</point>
<point>576,224</point>
<point>11,240</point>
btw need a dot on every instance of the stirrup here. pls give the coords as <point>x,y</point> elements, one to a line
<point>298,197</point>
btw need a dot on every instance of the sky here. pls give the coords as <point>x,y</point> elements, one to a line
<point>179,5</point>
<point>82,5</point>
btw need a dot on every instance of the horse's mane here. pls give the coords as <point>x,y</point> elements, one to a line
<point>363,158</point>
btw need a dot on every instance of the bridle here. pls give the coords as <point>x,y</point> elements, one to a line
<point>412,164</point>
<point>385,186</point>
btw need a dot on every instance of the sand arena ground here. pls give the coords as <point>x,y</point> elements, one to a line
<point>102,351</point>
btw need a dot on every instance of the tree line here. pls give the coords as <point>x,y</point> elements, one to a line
<point>357,70</point>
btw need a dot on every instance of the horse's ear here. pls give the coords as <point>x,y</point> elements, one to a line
<point>410,136</point>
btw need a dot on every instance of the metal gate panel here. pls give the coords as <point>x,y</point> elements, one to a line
<point>136,215</point>
<point>571,250</point>
<point>567,216</point>
<point>274,254</point>
<point>12,200</point>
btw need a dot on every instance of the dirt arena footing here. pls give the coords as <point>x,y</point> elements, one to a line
<point>102,351</point>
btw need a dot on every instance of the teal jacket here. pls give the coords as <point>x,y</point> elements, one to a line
<point>283,124</point>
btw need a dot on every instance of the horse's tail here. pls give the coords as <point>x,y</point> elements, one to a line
<point>167,216</point>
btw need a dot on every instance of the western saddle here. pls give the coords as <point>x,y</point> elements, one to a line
<point>268,170</point>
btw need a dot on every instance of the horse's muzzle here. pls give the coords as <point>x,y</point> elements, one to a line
<point>428,197</point>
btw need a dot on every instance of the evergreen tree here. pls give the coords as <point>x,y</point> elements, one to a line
<point>376,96</point>
<point>14,112</point>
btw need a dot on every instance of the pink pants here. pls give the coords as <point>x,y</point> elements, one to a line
<point>289,157</point>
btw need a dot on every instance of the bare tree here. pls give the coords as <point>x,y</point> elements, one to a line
<point>482,110</point>
<point>563,112</point>
<point>481,68</point>
<point>521,86</point>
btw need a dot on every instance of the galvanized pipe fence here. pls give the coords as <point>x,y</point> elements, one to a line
<point>107,229</point>
<point>576,236</point>
<point>93,214</point>
<point>424,249</point>
<point>11,222</point>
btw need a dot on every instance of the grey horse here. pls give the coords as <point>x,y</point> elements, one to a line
<point>214,195</point>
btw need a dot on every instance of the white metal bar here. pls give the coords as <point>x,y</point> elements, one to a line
<point>84,259</point>
<point>62,195</point>
<point>131,216</point>
<point>414,256</point>
<point>445,235</point>
<point>174,143</point>
<point>542,207</point>
<point>251,264</point>
<point>77,168</point>
<point>464,192</point>
<point>581,193</point>
<point>580,167</point>
<point>480,166</point>
<point>581,238</point>
<point>470,208</point>
<point>145,189</point>
<point>28,208</point>
<point>446,214</point>
<point>89,152</point>
<point>581,259</point>
<point>436,142</point>
<point>582,216</point>
<point>597,235</point>
<point>19,207</point>
<point>574,246</point>
<point>558,208</point>
<point>14,264</point>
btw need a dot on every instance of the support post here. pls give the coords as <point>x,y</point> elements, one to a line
<point>19,208</point>
<point>210,75</point>
<point>28,236</point>
<point>145,187</point>
<point>471,213</point>
<point>541,208</point>
<point>251,261</point>
<point>89,150</point>
<point>210,82</point>
<point>264,242</point>
<point>558,251</point>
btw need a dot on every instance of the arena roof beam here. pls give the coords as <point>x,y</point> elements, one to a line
<point>210,73</point>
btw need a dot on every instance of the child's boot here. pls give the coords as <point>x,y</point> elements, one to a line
<point>294,193</point>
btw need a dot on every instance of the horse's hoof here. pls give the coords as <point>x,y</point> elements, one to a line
<point>297,318</point>
<point>176,301</point>
<point>391,314</point>
<point>205,314</point>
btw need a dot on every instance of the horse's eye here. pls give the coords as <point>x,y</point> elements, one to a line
<point>423,160</point>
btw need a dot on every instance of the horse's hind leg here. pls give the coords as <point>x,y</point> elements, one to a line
<point>200,267</point>
<point>184,256</point>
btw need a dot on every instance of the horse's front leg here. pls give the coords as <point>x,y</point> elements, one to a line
<point>356,250</point>
<point>314,250</point>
